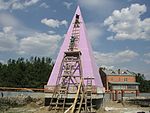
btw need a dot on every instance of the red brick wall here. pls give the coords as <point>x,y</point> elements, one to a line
<point>121,78</point>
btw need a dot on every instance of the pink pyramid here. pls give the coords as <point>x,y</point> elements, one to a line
<point>90,69</point>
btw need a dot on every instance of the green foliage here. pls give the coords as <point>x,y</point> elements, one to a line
<point>144,84</point>
<point>33,72</point>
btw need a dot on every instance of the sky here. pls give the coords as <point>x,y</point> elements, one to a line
<point>119,30</point>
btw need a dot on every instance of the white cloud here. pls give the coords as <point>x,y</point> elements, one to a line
<point>108,67</point>
<point>8,20</point>
<point>91,3</point>
<point>127,24</point>
<point>39,44</point>
<point>51,32</point>
<point>63,22</point>
<point>147,54</point>
<point>24,4</point>
<point>18,27</point>
<point>54,23</point>
<point>8,40</point>
<point>147,61</point>
<point>44,5</point>
<point>147,58</point>
<point>115,58</point>
<point>13,31</point>
<point>7,29</point>
<point>67,4</point>
<point>4,5</point>
<point>96,4</point>
<point>94,31</point>
<point>16,4</point>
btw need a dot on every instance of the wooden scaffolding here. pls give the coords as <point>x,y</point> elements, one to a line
<point>71,78</point>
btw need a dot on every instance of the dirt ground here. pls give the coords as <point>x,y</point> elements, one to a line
<point>108,107</point>
<point>115,107</point>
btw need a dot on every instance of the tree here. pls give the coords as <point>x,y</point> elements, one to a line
<point>33,72</point>
<point>144,84</point>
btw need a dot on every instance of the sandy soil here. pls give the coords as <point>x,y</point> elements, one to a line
<point>108,107</point>
<point>115,107</point>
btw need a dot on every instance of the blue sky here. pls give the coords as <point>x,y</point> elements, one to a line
<point>119,30</point>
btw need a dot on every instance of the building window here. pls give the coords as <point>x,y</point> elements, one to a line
<point>111,79</point>
<point>118,87</point>
<point>125,79</point>
<point>131,87</point>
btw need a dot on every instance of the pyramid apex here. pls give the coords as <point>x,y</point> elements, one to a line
<point>78,7</point>
<point>78,11</point>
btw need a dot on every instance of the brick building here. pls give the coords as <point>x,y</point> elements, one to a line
<point>118,80</point>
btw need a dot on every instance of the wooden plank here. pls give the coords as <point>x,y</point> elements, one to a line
<point>81,101</point>
<point>76,97</point>
<point>69,109</point>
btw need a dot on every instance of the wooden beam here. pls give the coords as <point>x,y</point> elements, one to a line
<point>76,97</point>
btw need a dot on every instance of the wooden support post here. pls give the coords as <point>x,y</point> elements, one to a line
<point>116,95</point>
<point>122,94</point>
<point>113,96</point>
<point>76,97</point>
<point>110,95</point>
<point>137,92</point>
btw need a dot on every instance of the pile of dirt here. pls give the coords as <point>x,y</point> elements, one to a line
<point>18,101</point>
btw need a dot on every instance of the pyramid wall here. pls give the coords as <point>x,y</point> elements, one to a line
<point>89,66</point>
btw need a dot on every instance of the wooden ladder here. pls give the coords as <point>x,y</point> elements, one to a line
<point>74,106</point>
<point>60,93</point>
<point>89,95</point>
